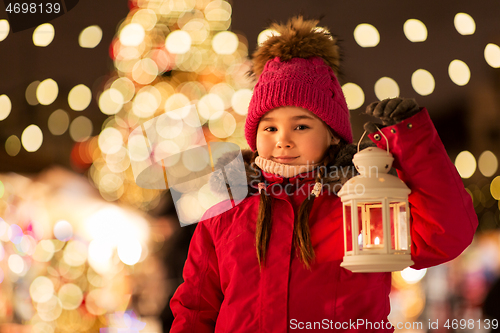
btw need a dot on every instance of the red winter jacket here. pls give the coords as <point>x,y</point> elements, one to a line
<point>224,291</point>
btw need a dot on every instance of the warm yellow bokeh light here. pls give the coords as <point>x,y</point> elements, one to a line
<point>145,71</point>
<point>4,29</point>
<point>225,42</point>
<point>43,35</point>
<point>241,100</point>
<point>423,82</point>
<point>110,140</point>
<point>32,138</point>
<point>386,87</point>
<point>459,72</point>
<point>354,95</point>
<point>125,87</point>
<point>465,164</point>
<point>47,91</point>
<point>145,17</point>
<point>12,145</point>
<point>178,42</point>
<point>30,93</point>
<point>415,30</point>
<point>58,122</point>
<point>487,163</point>
<point>464,23</point>
<point>5,106</point>
<point>71,296</point>
<point>80,129</point>
<point>495,188</point>
<point>492,55</point>
<point>146,102</point>
<point>265,34</point>
<point>222,124</point>
<point>132,34</point>
<point>129,251</point>
<point>366,35</point>
<point>90,37</point>
<point>41,289</point>
<point>79,97</point>
<point>110,101</point>
<point>16,263</point>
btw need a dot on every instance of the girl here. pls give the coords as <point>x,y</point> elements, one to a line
<point>272,263</point>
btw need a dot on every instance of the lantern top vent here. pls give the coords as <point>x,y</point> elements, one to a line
<point>372,158</point>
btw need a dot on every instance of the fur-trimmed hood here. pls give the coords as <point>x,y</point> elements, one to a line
<point>228,166</point>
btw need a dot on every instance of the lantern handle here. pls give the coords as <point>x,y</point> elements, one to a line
<point>359,142</point>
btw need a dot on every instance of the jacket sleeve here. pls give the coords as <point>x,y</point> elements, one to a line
<point>196,303</point>
<point>442,220</point>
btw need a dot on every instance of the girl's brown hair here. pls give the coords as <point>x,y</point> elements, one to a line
<point>301,232</point>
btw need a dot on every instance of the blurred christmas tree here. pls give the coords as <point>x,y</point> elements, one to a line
<point>167,55</point>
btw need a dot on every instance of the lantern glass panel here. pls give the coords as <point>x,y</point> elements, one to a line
<point>399,226</point>
<point>371,226</point>
<point>348,227</point>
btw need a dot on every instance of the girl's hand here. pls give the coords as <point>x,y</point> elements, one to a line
<point>391,111</point>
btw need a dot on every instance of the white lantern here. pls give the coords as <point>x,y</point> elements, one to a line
<point>376,216</point>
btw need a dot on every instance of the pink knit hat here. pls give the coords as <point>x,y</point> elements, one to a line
<point>298,72</point>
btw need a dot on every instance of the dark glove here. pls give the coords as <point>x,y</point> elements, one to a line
<point>391,111</point>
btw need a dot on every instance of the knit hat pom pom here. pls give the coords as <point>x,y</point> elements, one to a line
<point>298,38</point>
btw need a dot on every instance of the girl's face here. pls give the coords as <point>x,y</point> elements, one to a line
<point>293,135</point>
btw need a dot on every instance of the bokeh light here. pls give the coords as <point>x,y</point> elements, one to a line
<point>41,289</point>
<point>178,42</point>
<point>366,35</point>
<point>5,106</point>
<point>464,23</point>
<point>132,34</point>
<point>465,164</point>
<point>71,296</point>
<point>43,35</point>
<point>492,55</point>
<point>145,17</point>
<point>90,37</point>
<point>31,93</point>
<point>487,163</point>
<point>413,276</point>
<point>4,29</point>
<point>495,188</point>
<point>110,140</point>
<point>44,251</point>
<point>222,124</point>
<point>63,230</point>
<point>80,129</point>
<point>225,42</point>
<point>32,138</point>
<point>129,251</point>
<point>47,91</point>
<point>386,87</point>
<point>354,95</point>
<point>15,233</point>
<point>415,30</point>
<point>265,34</point>
<point>79,97</point>
<point>110,101</point>
<point>16,264</point>
<point>423,82</point>
<point>58,122</point>
<point>75,253</point>
<point>241,100</point>
<point>12,145</point>
<point>459,72</point>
